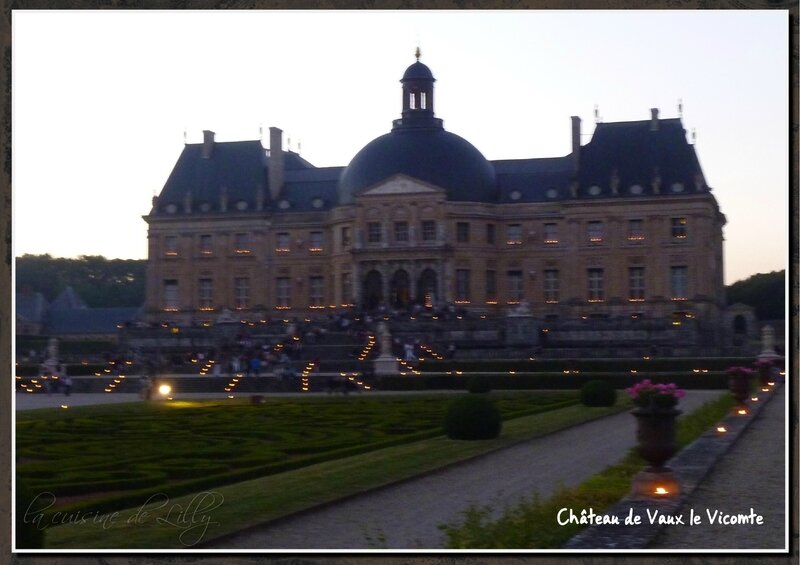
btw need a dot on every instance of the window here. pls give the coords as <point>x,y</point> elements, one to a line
<point>282,244</point>
<point>491,286</point>
<point>595,277</point>
<point>594,231</point>
<point>515,289</point>
<point>205,288</point>
<point>428,230</point>
<point>678,228</point>
<point>171,295</point>
<point>316,291</point>
<point>412,100</point>
<point>241,293</point>
<point>345,233</point>
<point>423,102</point>
<point>241,243</point>
<point>551,233</point>
<point>316,242</point>
<point>635,230</point>
<point>401,232</point>
<point>347,288</point>
<point>679,282</point>
<point>462,232</point>
<point>514,234</point>
<point>462,285</point>
<point>171,245</point>
<point>551,286</point>
<point>636,284</point>
<point>374,232</point>
<point>206,245</point>
<point>490,234</point>
<point>283,293</point>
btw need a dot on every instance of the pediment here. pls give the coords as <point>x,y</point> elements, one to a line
<point>401,184</point>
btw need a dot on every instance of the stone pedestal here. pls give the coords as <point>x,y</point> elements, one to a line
<point>768,344</point>
<point>386,363</point>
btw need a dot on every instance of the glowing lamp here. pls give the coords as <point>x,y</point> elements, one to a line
<point>722,429</point>
<point>754,398</point>
<point>742,411</point>
<point>64,406</point>
<point>661,491</point>
<point>164,390</point>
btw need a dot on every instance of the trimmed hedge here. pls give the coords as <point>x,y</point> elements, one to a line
<point>472,418</point>
<point>598,393</point>
<point>29,535</point>
<point>479,385</point>
<point>657,364</point>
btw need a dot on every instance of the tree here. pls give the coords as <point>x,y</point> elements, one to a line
<point>764,292</point>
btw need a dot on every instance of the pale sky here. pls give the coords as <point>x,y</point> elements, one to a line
<point>101,101</point>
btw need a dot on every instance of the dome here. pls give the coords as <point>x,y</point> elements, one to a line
<point>431,155</point>
<point>418,71</point>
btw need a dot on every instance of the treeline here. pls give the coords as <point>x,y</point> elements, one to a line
<point>100,282</point>
<point>764,292</point>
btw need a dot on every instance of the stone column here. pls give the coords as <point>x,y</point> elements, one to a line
<point>355,280</point>
<point>412,285</point>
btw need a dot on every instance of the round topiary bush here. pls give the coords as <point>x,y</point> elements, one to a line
<point>30,534</point>
<point>472,417</point>
<point>598,393</point>
<point>479,385</point>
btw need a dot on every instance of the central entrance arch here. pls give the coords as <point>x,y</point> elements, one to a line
<point>400,288</point>
<point>373,289</point>
<point>426,288</point>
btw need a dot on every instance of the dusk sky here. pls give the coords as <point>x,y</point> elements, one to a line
<point>101,101</point>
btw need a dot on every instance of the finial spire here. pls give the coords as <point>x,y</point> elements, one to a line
<point>417,54</point>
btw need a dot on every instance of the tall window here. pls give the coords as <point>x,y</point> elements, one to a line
<point>515,288</point>
<point>678,228</point>
<point>316,291</point>
<point>462,232</point>
<point>401,232</point>
<point>171,294</point>
<point>594,231</point>
<point>514,234</point>
<point>636,283</point>
<point>241,242</point>
<point>412,100</point>
<point>679,282</point>
<point>171,245</point>
<point>282,243</point>
<point>206,245</point>
<point>595,278</point>
<point>374,232</point>
<point>241,293</point>
<point>423,100</point>
<point>551,233</point>
<point>283,292</point>
<point>462,285</point>
<point>316,241</point>
<point>347,288</point>
<point>205,289</point>
<point>428,230</point>
<point>635,230</point>
<point>491,286</point>
<point>551,286</point>
<point>490,234</point>
<point>345,233</point>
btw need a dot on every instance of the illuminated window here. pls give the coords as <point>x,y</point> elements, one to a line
<point>428,230</point>
<point>205,288</point>
<point>551,233</point>
<point>241,242</point>
<point>412,100</point>
<point>514,234</point>
<point>283,292</point>
<point>491,286</point>
<point>635,230</point>
<point>515,286</point>
<point>374,232</point>
<point>490,234</point>
<point>345,233</point>
<point>170,294</point>
<point>316,241</point>
<point>206,245</point>
<point>595,279</point>
<point>241,293</point>
<point>282,243</point>
<point>550,281</point>
<point>401,232</point>
<point>171,245</point>
<point>594,231</point>
<point>462,285</point>
<point>636,283</point>
<point>679,282</point>
<point>462,232</point>
<point>678,228</point>
<point>316,291</point>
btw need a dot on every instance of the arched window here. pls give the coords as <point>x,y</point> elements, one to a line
<point>740,325</point>
<point>423,102</point>
<point>412,100</point>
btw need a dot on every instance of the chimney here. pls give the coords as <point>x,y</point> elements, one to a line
<point>208,143</point>
<point>275,162</point>
<point>653,119</point>
<point>576,140</point>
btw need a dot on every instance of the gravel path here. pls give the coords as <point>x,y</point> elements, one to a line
<point>406,516</point>
<point>751,475</point>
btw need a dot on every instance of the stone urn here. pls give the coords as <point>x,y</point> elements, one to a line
<point>739,384</point>
<point>656,435</point>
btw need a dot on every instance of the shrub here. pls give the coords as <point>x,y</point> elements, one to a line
<point>598,393</point>
<point>472,417</point>
<point>479,385</point>
<point>29,533</point>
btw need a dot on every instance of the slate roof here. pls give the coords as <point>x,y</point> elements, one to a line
<point>87,320</point>
<point>302,187</point>
<point>68,300</point>
<point>532,180</point>
<point>31,307</point>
